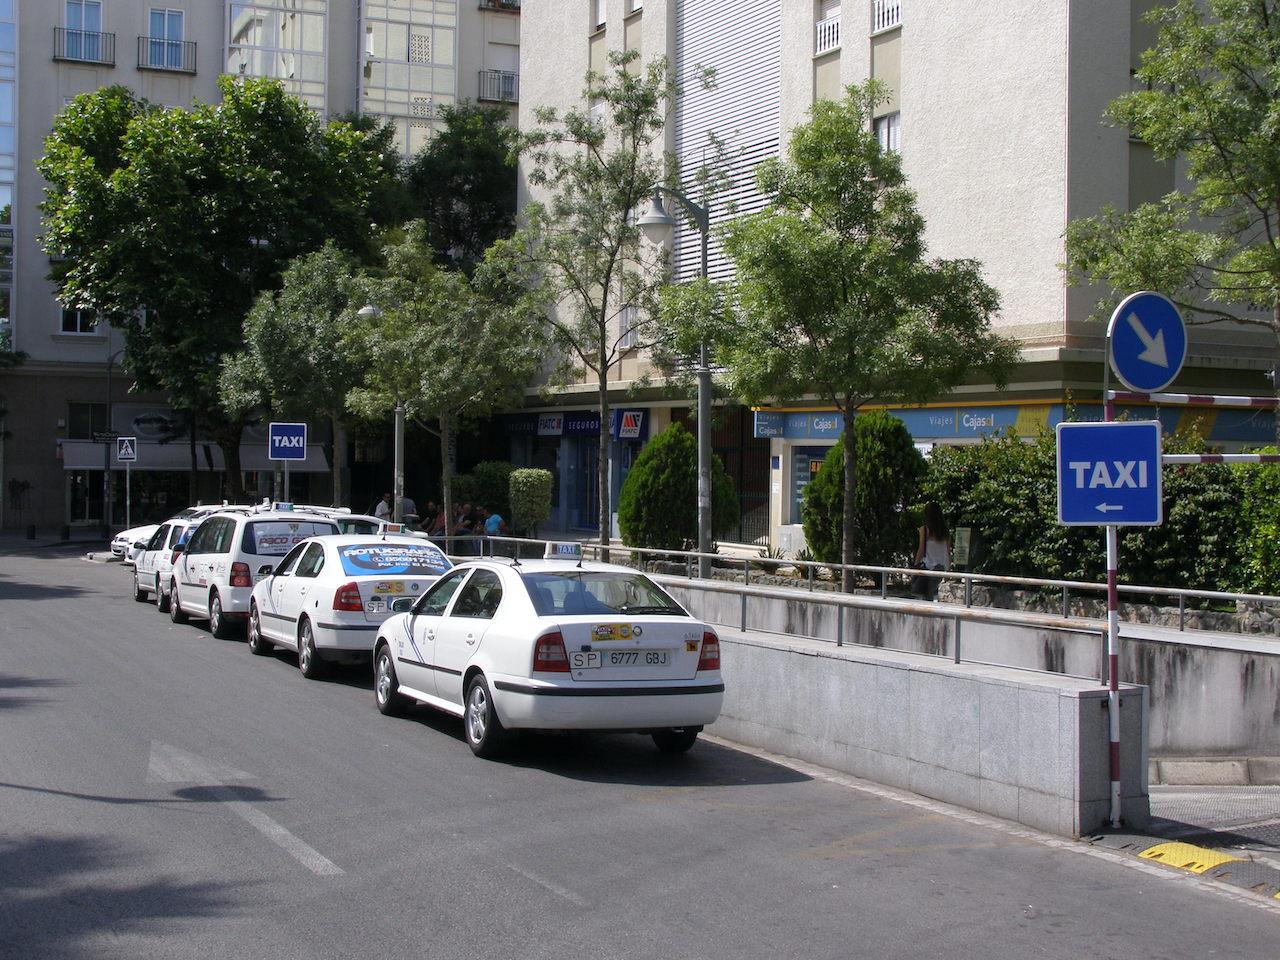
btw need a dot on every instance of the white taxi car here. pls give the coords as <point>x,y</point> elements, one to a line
<point>152,569</point>
<point>216,569</point>
<point>126,544</point>
<point>329,595</point>
<point>551,645</point>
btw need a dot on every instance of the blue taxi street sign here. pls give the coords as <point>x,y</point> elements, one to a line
<point>287,441</point>
<point>1109,474</point>
<point>1148,341</point>
<point>126,449</point>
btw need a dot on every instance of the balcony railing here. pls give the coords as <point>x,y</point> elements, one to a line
<point>84,46</point>
<point>826,35</point>
<point>505,6</point>
<point>500,86</point>
<point>886,14</point>
<point>155,53</point>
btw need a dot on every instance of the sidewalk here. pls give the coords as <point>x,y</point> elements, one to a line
<point>16,541</point>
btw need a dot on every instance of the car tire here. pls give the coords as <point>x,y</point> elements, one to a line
<point>138,593</point>
<point>386,687</point>
<point>175,607</point>
<point>162,598</point>
<point>484,732</point>
<point>219,625</point>
<point>259,645</point>
<point>309,662</point>
<point>676,740</point>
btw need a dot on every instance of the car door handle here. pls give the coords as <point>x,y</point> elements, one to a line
<point>471,638</point>
<point>303,591</point>
<point>431,634</point>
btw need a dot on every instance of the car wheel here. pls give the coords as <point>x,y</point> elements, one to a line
<point>258,644</point>
<point>162,598</point>
<point>485,734</point>
<point>309,661</point>
<point>219,625</point>
<point>138,593</point>
<point>386,688</point>
<point>175,607</point>
<point>676,740</point>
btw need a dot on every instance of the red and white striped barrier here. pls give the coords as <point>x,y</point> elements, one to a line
<point>1194,400</point>
<point>1170,459</point>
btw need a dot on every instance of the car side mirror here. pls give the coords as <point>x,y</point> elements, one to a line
<point>179,548</point>
<point>266,570</point>
<point>402,604</point>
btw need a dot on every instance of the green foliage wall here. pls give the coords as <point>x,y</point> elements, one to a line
<point>890,470</point>
<point>530,498</point>
<point>658,506</point>
<point>1260,527</point>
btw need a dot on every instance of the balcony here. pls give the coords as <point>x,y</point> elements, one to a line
<point>499,86</point>
<point>826,35</point>
<point>502,6</point>
<point>84,46</point>
<point>885,15</point>
<point>173,56</point>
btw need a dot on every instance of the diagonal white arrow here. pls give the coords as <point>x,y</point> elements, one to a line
<point>1153,352</point>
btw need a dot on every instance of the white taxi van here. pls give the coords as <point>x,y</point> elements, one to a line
<point>551,644</point>
<point>213,577</point>
<point>328,597</point>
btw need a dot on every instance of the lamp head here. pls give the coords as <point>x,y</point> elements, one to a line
<point>368,312</point>
<point>657,223</point>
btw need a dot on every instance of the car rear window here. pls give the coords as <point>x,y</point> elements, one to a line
<point>275,538</point>
<point>402,559</point>
<point>358,527</point>
<point>587,592</point>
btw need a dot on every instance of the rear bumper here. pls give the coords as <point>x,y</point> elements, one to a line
<point>525,705</point>
<point>349,637</point>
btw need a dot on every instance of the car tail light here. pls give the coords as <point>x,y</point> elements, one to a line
<point>240,576</point>
<point>549,655</point>
<point>347,597</point>
<point>709,659</point>
<point>173,558</point>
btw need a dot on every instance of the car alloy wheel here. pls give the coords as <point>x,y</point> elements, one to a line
<point>219,626</point>
<point>162,599</point>
<point>258,644</point>
<point>176,613</point>
<point>386,688</point>
<point>483,728</point>
<point>309,661</point>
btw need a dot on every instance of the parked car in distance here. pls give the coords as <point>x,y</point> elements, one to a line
<point>213,577</point>
<point>152,569</point>
<point>125,544</point>
<point>329,595</point>
<point>551,645</point>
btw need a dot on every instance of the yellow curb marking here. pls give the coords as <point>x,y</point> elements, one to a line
<point>1187,856</point>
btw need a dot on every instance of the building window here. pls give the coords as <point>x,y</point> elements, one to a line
<point>83,419</point>
<point>599,10</point>
<point>164,39</point>
<point>885,15</point>
<point>79,321</point>
<point>628,328</point>
<point>83,38</point>
<point>635,6</point>
<point>282,39</point>
<point>889,131</point>
<point>826,32</point>
<point>409,71</point>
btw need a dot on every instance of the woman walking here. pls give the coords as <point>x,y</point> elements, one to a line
<point>933,553</point>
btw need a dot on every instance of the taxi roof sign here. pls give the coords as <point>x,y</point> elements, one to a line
<point>563,551</point>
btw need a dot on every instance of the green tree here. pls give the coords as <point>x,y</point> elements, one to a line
<point>580,250</point>
<point>888,484</point>
<point>170,222</point>
<point>451,348</point>
<point>835,294</point>
<point>1259,517</point>
<point>658,505</point>
<point>1211,97</point>
<point>300,355</point>
<point>463,183</point>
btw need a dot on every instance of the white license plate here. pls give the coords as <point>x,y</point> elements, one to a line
<point>375,606</point>
<point>589,660</point>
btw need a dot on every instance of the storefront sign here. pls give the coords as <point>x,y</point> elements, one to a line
<point>629,424</point>
<point>582,423</point>
<point>550,424</point>
<point>768,424</point>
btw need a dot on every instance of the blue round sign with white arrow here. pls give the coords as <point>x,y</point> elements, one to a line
<point>1148,341</point>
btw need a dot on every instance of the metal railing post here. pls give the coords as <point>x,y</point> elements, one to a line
<point>956,643</point>
<point>746,571</point>
<point>968,590</point>
<point>810,569</point>
<point>1066,602</point>
<point>884,584</point>
<point>839,625</point>
<point>743,595</point>
<point>1182,611</point>
<point>688,566</point>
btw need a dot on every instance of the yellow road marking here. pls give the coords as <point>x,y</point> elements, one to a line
<point>1187,856</point>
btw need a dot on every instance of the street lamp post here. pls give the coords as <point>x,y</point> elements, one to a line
<point>106,448</point>
<point>369,311</point>
<point>657,225</point>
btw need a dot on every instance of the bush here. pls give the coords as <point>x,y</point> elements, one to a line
<point>889,472</point>
<point>487,485</point>
<point>530,492</point>
<point>464,488</point>
<point>658,506</point>
<point>1260,523</point>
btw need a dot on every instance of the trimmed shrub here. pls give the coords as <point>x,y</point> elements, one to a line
<point>1260,527</point>
<point>658,506</point>
<point>530,491</point>
<point>889,472</point>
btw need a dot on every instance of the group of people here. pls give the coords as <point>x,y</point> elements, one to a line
<point>470,522</point>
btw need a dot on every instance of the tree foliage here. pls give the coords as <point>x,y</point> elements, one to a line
<point>888,484</point>
<point>658,505</point>
<point>531,489</point>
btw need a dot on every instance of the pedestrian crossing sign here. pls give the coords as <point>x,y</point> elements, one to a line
<point>126,449</point>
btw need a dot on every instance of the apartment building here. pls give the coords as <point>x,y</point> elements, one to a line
<point>995,108</point>
<point>401,60</point>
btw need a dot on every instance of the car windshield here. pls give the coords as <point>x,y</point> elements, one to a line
<point>399,559</point>
<point>275,538</point>
<point>603,592</point>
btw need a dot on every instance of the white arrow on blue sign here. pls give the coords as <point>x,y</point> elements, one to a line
<point>1148,341</point>
<point>1109,474</point>
<point>287,441</point>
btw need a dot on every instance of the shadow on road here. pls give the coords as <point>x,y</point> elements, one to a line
<point>54,906</point>
<point>22,590</point>
<point>9,681</point>
<point>215,793</point>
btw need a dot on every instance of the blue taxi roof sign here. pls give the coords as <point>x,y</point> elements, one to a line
<point>281,507</point>
<point>563,551</point>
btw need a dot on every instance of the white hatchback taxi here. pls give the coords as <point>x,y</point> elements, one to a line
<point>552,644</point>
<point>330,595</point>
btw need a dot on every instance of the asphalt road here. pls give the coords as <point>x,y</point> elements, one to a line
<point>165,794</point>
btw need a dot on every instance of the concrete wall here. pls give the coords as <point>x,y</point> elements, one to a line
<point>1026,747</point>
<point>1210,695</point>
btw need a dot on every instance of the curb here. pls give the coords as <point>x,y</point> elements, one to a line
<point>1215,771</point>
<point>1219,865</point>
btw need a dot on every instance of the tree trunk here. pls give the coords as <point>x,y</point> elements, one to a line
<point>1275,326</point>
<point>193,486</point>
<point>446,476</point>
<point>227,435</point>
<point>848,525</point>
<point>602,473</point>
<point>338,457</point>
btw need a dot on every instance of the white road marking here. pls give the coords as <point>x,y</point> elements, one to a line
<point>169,764</point>
<point>549,885</point>
<point>1006,827</point>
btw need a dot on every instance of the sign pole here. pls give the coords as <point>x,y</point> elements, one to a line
<point>286,481</point>
<point>1113,613</point>
<point>128,495</point>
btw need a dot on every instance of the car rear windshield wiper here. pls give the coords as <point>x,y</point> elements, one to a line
<point>650,609</point>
